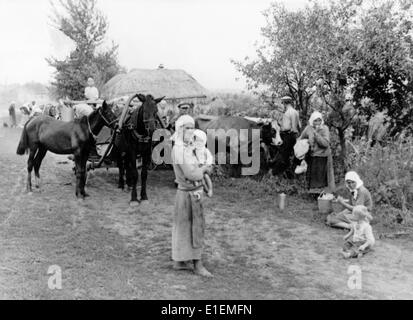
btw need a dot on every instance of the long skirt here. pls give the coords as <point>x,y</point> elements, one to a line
<point>188,227</point>
<point>317,174</point>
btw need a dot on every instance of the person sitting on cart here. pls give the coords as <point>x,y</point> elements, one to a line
<point>91,92</point>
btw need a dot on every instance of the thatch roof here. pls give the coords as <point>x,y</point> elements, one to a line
<point>173,84</point>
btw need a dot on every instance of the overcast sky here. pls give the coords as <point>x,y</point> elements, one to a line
<point>199,36</point>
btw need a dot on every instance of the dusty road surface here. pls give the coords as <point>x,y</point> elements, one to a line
<point>107,250</point>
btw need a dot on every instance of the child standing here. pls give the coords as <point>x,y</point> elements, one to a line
<point>360,239</point>
<point>204,156</point>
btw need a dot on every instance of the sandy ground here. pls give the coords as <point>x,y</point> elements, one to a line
<point>108,250</point>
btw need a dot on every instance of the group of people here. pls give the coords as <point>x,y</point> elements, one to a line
<point>27,110</point>
<point>320,176</point>
<point>191,176</point>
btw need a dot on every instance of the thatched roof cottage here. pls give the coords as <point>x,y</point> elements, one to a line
<point>176,85</point>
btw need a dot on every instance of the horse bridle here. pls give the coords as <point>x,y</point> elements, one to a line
<point>146,123</point>
<point>109,124</point>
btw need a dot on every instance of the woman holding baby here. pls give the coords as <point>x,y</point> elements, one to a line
<point>188,221</point>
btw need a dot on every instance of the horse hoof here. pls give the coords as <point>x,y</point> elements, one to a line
<point>145,204</point>
<point>134,203</point>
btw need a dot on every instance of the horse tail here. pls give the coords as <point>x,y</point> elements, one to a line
<point>23,143</point>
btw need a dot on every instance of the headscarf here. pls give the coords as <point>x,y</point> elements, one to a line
<point>353,176</point>
<point>178,136</point>
<point>314,116</point>
<point>201,136</point>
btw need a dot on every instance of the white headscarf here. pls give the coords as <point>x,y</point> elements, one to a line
<point>201,136</point>
<point>314,116</point>
<point>353,176</point>
<point>182,152</point>
<point>178,136</point>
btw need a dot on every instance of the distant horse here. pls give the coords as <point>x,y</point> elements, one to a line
<point>135,138</point>
<point>44,133</point>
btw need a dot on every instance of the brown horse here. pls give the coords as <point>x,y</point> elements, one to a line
<point>44,133</point>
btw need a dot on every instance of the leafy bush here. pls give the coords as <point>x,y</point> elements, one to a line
<point>387,171</point>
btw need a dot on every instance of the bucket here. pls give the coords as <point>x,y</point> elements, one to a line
<point>325,203</point>
<point>325,206</point>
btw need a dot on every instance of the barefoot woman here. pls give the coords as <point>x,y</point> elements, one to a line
<point>188,221</point>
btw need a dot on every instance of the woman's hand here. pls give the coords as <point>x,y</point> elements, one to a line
<point>207,169</point>
<point>340,200</point>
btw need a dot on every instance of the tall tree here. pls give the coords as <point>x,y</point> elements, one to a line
<point>292,41</point>
<point>383,64</point>
<point>335,51</point>
<point>86,26</point>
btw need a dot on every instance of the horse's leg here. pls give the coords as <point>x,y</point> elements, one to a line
<point>133,174</point>
<point>41,153</point>
<point>121,166</point>
<point>82,182</point>
<point>30,163</point>
<point>146,158</point>
<point>127,165</point>
<point>77,172</point>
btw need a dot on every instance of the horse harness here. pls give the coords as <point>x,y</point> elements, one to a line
<point>130,124</point>
<point>109,124</point>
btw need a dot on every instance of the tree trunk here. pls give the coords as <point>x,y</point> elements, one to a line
<point>343,147</point>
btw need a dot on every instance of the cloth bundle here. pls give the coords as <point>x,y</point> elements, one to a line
<point>301,148</point>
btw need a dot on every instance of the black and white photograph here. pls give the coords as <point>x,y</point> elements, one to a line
<point>220,151</point>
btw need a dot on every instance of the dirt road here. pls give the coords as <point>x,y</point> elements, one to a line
<point>107,250</point>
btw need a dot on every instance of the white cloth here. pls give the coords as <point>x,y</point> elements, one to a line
<point>301,168</point>
<point>301,148</point>
<point>363,232</point>
<point>182,152</point>
<point>202,153</point>
<point>204,156</point>
<point>91,93</point>
<point>178,136</point>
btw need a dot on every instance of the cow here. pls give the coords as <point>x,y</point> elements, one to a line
<point>269,135</point>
